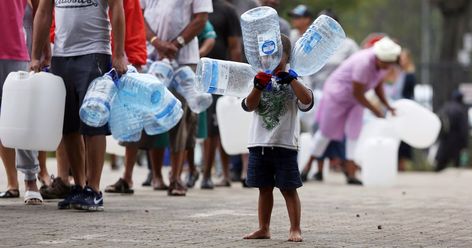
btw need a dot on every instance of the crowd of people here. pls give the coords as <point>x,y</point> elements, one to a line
<point>81,40</point>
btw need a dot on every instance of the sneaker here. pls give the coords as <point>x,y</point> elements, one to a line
<point>192,178</point>
<point>353,181</point>
<point>57,190</point>
<point>207,184</point>
<point>89,200</point>
<point>318,177</point>
<point>75,192</point>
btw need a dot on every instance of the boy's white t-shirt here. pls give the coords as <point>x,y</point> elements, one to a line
<point>276,122</point>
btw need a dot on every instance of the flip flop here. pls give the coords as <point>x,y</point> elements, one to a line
<point>11,193</point>
<point>33,198</point>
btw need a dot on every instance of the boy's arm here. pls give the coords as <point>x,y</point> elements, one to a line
<point>261,80</point>
<point>41,25</point>
<point>303,94</point>
<point>118,30</point>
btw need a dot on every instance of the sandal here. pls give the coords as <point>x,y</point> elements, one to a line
<point>33,198</point>
<point>119,187</point>
<point>176,189</point>
<point>11,193</point>
<point>160,186</point>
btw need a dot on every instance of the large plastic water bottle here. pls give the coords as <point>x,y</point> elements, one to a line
<point>166,117</point>
<point>125,121</point>
<point>318,43</point>
<point>140,89</point>
<point>163,70</point>
<point>184,83</point>
<point>261,37</point>
<point>95,109</point>
<point>224,77</point>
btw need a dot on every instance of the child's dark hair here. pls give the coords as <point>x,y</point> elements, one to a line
<point>287,46</point>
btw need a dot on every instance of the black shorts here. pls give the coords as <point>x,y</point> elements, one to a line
<point>273,167</point>
<point>78,72</point>
<point>212,122</point>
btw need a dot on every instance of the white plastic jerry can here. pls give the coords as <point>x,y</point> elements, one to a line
<point>32,111</point>
<point>234,124</point>
<point>379,166</point>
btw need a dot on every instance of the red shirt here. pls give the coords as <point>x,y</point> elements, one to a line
<point>13,41</point>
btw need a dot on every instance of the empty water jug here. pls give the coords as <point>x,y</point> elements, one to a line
<point>165,117</point>
<point>32,111</point>
<point>379,167</point>
<point>261,37</point>
<point>318,43</point>
<point>141,90</point>
<point>224,77</point>
<point>95,109</point>
<point>415,125</point>
<point>234,124</point>
<point>184,83</point>
<point>125,121</point>
<point>162,70</point>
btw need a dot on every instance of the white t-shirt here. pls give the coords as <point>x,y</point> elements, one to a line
<point>169,18</point>
<point>276,122</point>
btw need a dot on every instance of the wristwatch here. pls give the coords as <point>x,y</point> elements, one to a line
<point>181,41</point>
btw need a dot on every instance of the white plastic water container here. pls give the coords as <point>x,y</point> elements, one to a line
<point>321,40</point>
<point>222,77</point>
<point>32,111</point>
<point>234,124</point>
<point>379,167</point>
<point>261,38</point>
<point>184,82</point>
<point>415,125</point>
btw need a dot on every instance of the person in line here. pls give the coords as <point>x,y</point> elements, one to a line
<point>227,47</point>
<point>301,18</point>
<point>176,39</point>
<point>454,136</point>
<point>81,54</point>
<point>342,104</point>
<point>273,142</point>
<point>14,56</point>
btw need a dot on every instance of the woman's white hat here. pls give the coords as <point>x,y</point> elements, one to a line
<point>386,50</point>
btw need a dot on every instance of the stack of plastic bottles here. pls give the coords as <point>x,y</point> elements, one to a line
<point>263,49</point>
<point>134,102</point>
<point>183,81</point>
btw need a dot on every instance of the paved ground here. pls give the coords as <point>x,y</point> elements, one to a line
<point>423,210</point>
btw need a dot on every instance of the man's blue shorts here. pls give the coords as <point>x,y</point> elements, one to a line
<point>273,167</point>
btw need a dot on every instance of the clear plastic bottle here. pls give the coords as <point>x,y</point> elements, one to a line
<point>95,109</point>
<point>166,117</point>
<point>184,83</point>
<point>318,43</point>
<point>141,90</point>
<point>125,121</point>
<point>163,70</point>
<point>261,37</point>
<point>224,77</point>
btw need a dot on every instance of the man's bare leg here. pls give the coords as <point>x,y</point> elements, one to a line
<point>8,159</point>
<point>224,161</point>
<point>95,155</point>
<point>63,165</point>
<point>294,213</point>
<point>210,145</point>
<point>157,159</point>
<point>75,149</point>
<point>131,154</point>
<point>43,170</point>
<point>265,204</point>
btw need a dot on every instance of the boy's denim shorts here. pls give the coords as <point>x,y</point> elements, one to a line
<point>273,167</point>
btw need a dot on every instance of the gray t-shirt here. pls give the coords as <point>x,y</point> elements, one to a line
<point>276,122</point>
<point>82,27</point>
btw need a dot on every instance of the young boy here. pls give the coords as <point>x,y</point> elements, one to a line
<point>273,142</point>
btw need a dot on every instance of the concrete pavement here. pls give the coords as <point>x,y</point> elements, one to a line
<point>423,210</point>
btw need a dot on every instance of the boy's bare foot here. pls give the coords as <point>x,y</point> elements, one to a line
<point>259,234</point>
<point>295,236</point>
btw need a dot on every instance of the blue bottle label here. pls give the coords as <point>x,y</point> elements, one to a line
<point>310,40</point>
<point>267,43</point>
